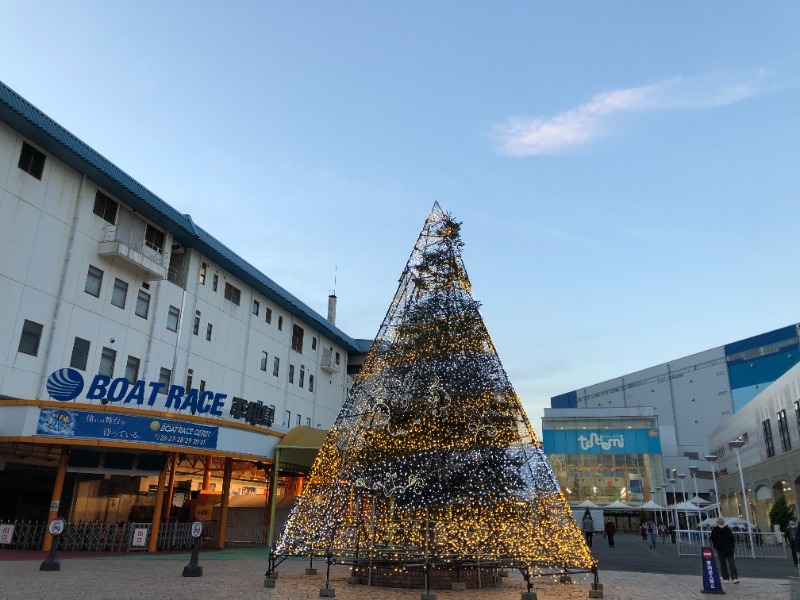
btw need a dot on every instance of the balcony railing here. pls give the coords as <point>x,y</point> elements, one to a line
<point>135,250</point>
<point>329,363</point>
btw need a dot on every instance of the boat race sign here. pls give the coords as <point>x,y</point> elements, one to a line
<point>124,428</point>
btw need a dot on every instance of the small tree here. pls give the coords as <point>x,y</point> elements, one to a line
<point>781,513</point>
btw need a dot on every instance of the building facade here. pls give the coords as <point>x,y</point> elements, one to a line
<point>134,346</point>
<point>769,426</point>
<point>691,396</point>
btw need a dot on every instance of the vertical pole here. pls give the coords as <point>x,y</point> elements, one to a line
<point>207,474</point>
<point>223,509</point>
<point>55,499</point>
<point>152,543</point>
<point>273,498</point>
<point>746,507</point>
<point>171,485</point>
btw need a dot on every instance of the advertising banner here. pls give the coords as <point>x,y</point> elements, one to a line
<point>601,441</point>
<point>125,428</point>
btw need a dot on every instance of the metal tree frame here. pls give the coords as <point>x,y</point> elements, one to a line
<point>432,462</point>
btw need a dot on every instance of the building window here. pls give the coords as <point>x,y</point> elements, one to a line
<point>196,325</point>
<point>264,361</point>
<point>276,366</point>
<point>120,293</point>
<point>310,383</point>
<point>297,338</point>
<point>287,418</point>
<point>30,338</point>
<point>337,358</point>
<point>164,376</point>
<point>302,377</point>
<point>256,306</point>
<point>107,359</point>
<point>173,316</point>
<point>291,373</point>
<point>94,281</point>
<point>31,160</point>
<point>232,293</point>
<point>308,421</point>
<point>298,419</point>
<point>142,304</point>
<point>280,323</point>
<point>783,428</point>
<point>203,269</point>
<point>105,207</point>
<point>768,438</point>
<point>313,343</point>
<point>80,354</point>
<point>202,385</point>
<point>214,282</point>
<point>132,369</point>
<point>209,327</point>
<point>189,377</point>
<point>268,315</point>
<point>154,238</point>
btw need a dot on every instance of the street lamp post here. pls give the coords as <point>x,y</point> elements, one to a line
<point>652,495</point>
<point>736,444</point>
<point>713,458</point>
<point>693,469</point>
<point>672,481</point>
<point>682,476</point>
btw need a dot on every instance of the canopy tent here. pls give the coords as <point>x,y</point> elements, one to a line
<point>587,504</point>
<point>685,506</point>
<point>617,504</point>
<point>735,523</point>
<point>652,506</point>
<point>698,501</point>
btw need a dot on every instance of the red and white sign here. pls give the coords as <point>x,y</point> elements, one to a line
<point>6,533</point>
<point>139,537</point>
<point>56,526</point>
<point>197,529</point>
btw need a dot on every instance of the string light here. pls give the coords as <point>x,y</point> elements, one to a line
<point>432,453</point>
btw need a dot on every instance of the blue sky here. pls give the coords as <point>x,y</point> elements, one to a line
<point>627,173</point>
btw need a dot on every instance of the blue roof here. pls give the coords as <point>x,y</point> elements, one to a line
<point>32,123</point>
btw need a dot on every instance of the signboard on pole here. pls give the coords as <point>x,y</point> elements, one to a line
<point>197,529</point>
<point>6,533</point>
<point>56,526</point>
<point>711,582</point>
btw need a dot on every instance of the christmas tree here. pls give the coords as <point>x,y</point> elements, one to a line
<point>432,456</point>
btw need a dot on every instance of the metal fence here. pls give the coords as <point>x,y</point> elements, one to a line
<point>112,537</point>
<point>765,544</point>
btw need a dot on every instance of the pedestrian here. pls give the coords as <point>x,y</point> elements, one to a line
<point>671,530</point>
<point>662,531</point>
<point>789,534</point>
<point>725,544</point>
<point>797,539</point>
<point>643,532</point>
<point>610,530</point>
<point>650,528</point>
<point>588,528</point>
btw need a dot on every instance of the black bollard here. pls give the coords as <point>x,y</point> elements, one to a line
<point>193,569</point>
<point>50,563</point>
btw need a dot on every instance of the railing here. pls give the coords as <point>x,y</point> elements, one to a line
<point>112,537</point>
<point>137,243</point>
<point>765,544</point>
<point>328,363</point>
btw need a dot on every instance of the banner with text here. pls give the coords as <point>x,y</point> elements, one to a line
<point>601,441</point>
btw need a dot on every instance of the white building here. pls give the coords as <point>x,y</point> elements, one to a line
<point>769,426</point>
<point>127,331</point>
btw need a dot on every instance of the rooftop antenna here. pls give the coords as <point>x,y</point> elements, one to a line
<point>332,298</point>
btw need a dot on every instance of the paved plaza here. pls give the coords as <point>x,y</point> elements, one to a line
<point>239,573</point>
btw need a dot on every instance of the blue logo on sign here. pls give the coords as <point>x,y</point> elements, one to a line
<point>65,384</point>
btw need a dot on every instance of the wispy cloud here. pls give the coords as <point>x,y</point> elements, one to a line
<point>542,135</point>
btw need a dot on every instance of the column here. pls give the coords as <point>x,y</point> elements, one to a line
<point>152,543</point>
<point>223,509</point>
<point>55,499</point>
<point>171,485</point>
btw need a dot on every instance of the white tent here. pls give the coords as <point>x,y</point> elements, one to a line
<point>651,506</point>
<point>736,523</point>
<point>685,506</point>
<point>617,504</point>
<point>587,504</point>
<point>698,501</point>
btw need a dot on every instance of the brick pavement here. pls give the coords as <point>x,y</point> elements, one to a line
<point>227,575</point>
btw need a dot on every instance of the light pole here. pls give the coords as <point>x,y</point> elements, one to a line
<point>682,476</point>
<point>693,469</point>
<point>652,494</point>
<point>672,481</point>
<point>713,458</point>
<point>663,488</point>
<point>736,444</point>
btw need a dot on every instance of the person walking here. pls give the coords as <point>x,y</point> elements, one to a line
<point>790,534</point>
<point>650,528</point>
<point>610,530</point>
<point>671,530</point>
<point>662,531</point>
<point>588,528</point>
<point>725,544</point>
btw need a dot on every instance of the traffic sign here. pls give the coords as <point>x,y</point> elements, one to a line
<point>56,526</point>
<point>197,529</point>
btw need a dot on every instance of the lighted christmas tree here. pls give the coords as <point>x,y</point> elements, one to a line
<point>432,456</point>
